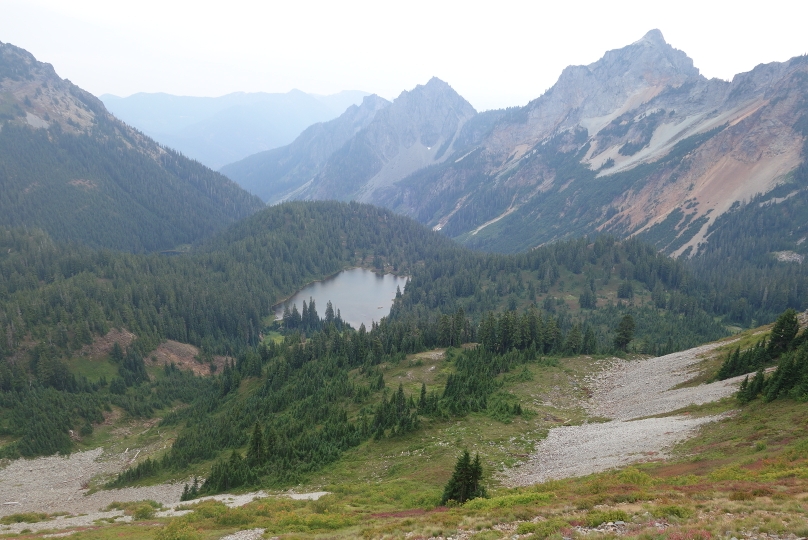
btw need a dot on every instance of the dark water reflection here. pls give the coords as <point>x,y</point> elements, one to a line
<point>361,295</point>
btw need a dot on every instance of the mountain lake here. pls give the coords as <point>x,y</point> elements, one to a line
<point>361,295</point>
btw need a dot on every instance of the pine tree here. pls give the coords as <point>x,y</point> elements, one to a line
<point>256,453</point>
<point>314,317</point>
<point>225,475</point>
<point>590,342</point>
<point>116,355</point>
<point>625,333</point>
<point>465,481</point>
<point>784,332</point>
<point>422,399</point>
<point>574,340</point>
<point>190,493</point>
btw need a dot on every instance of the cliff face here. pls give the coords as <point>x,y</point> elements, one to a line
<point>637,140</point>
<point>417,130</point>
<point>635,143</point>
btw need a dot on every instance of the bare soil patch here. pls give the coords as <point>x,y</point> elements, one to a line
<point>102,346</point>
<point>184,356</point>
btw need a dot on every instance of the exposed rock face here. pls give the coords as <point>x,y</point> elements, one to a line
<point>635,143</point>
<point>637,140</point>
<point>595,94</point>
<point>365,149</point>
<point>278,174</point>
<point>415,131</point>
<point>32,90</point>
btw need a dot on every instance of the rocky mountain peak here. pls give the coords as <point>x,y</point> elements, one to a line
<point>428,113</point>
<point>621,80</point>
<point>650,58</point>
<point>373,102</point>
<point>654,37</point>
<point>435,93</point>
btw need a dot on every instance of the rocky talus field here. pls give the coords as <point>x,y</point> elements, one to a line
<point>627,392</point>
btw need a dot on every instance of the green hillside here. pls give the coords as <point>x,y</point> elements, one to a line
<point>98,190</point>
<point>70,168</point>
<point>325,405</point>
<point>56,299</point>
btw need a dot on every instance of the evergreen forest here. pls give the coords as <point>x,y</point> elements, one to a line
<point>316,390</point>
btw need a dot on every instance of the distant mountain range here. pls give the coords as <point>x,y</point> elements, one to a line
<point>291,167</point>
<point>220,130</point>
<point>366,149</point>
<point>635,143</point>
<point>69,167</point>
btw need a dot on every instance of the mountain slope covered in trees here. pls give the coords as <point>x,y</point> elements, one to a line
<point>57,298</point>
<point>69,167</point>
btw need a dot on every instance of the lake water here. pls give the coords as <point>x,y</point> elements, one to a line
<point>361,296</point>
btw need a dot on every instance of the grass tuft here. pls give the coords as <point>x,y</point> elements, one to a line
<point>24,517</point>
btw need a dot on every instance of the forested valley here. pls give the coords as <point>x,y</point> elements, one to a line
<point>282,408</point>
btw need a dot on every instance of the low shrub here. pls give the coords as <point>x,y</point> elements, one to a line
<point>508,501</point>
<point>25,517</point>
<point>177,530</point>
<point>541,529</point>
<point>733,472</point>
<point>137,509</point>
<point>671,510</point>
<point>598,517</point>
<point>635,477</point>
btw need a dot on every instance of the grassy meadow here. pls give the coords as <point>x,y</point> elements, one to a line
<point>743,476</point>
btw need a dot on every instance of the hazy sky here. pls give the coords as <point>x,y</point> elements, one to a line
<point>496,54</point>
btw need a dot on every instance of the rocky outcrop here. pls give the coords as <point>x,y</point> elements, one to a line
<point>637,142</point>
<point>363,151</point>
<point>33,93</point>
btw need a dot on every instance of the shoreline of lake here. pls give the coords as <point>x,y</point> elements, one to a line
<point>357,292</point>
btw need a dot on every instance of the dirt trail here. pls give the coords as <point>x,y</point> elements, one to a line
<point>626,391</point>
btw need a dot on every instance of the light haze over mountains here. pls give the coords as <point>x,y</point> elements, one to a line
<point>638,142</point>
<point>219,130</point>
